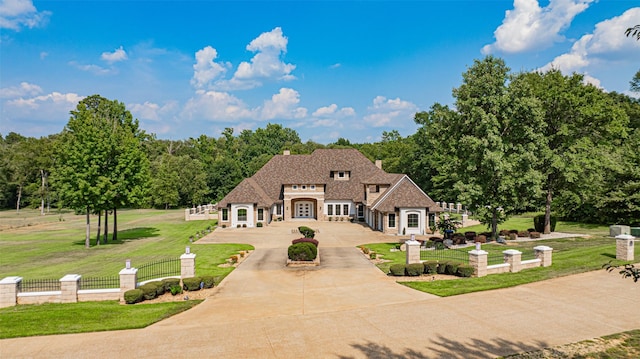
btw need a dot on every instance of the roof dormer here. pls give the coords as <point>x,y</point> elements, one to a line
<point>341,175</point>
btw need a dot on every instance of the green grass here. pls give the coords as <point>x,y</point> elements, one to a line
<point>570,256</point>
<point>47,319</point>
<point>51,246</point>
<point>525,221</point>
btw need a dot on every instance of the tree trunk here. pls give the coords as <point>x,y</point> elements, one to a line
<point>42,192</point>
<point>87,243</point>
<point>106,226</point>
<point>19,197</point>
<point>99,221</point>
<point>547,212</point>
<point>115,224</point>
<point>494,223</point>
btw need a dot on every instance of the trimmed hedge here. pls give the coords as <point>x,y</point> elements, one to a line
<point>414,269</point>
<point>430,267</point>
<point>133,296</point>
<point>303,251</point>
<point>170,282</point>
<point>307,232</point>
<point>149,290</point>
<point>538,223</point>
<point>208,280</point>
<point>307,240</point>
<point>442,267</point>
<point>451,268</point>
<point>191,284</point>
<point>175,289</point>
<point>534,235</point>
<point>464,270</point>
<point>397,270</point>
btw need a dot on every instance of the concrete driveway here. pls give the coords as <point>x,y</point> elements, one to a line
<point>347,308</point>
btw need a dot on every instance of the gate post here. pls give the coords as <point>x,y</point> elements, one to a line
<point>413,251</point>
<point>187,264</point>
<point>478,260</point>
<point>9,291</point>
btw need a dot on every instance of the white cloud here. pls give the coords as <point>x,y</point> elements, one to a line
<point>40,110</point>
<point>529,26</point>
<point>385,111</point>
<point>335,66</point>
<point>95,69</point>
<point>24,89</point>
<point>117,55</point>
<point>43,55</point>
<point>205,69</point>
<point>152,111</point>
<point>266,64</point>
<point>216,106</point>
<point>606,42</point>
<point>17,14</point>
<point>333,111</point>
<point>283,105</point>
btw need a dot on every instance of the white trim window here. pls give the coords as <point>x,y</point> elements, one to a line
<point>413,220</point>
<point>392,220</point>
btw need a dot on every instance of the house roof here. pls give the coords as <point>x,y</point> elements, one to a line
<point>265,186</point>
<point>404,193</point>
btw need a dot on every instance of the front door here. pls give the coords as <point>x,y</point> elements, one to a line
<point>304,209</point>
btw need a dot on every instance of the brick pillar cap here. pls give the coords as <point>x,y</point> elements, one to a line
<point>478,252</point>
<point>70,278</point>
<point>512,251</point>
<point>625,236</point>
<point>543,248</point>
<point>412,242</point>
<point>129,271</point>
<point>11,280</point>
<point>188,256</point>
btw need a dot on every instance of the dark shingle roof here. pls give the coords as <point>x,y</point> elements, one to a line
<point>405,193</point>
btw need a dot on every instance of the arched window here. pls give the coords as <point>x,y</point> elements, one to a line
<point>412,221</point>
<point>242,215</point>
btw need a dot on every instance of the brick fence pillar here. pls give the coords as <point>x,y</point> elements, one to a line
<point>478,260</point>
<point>69,288</point>
<point>543,253</point>
<point>624,247</point>
<point>413,251</point>
<point>514,258</point>
<point>9,291</point>
<point>128,281</point>
<point>188,264</point>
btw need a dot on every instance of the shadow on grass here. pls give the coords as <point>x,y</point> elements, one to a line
<point>446,347</point>
<point>608,255</point>
<point>124,236</point>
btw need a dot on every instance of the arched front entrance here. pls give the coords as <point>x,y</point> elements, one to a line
<point>304,209</point>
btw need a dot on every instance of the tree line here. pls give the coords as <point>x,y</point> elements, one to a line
<point>510,142</point>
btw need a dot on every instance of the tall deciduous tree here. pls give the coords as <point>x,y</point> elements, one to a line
<point>581,121</point>
<point>484,151</point>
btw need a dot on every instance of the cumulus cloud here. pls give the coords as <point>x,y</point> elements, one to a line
<point>529,26</point>
<point>333,111</point>
<point>216,106</point>
<point>117,55</point>
<point>152,111</point>
<point>24,89</point>
<point>44,114</point>
<point>283,105</point>
<point>18,14</point>
<point>205,69</point>
<point>607,41</point>
<point>385,111</point>
<point>94,69</point>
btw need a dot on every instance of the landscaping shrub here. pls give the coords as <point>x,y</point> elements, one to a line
<point>159,288</point>
<point>429,244</point>
<point>133,296</point>
<point>208,280</point>
<point>442,267</point>
<point>504,232</point>
<point>365,250</point>
<point>397,269</point>
<point>459,238</point>
<point>513,236</point>
<point>515,231</point>
<point>451,268</point>
<point>534,234</point>
<point>303,251</point>
<point>191,284</point>
<point>439,245</point>
<point>531,230</point>
<point>175,289</point>
<point>149,291</point>
<point>538,223</point>
<point>308,240</point>
<point>470,236</point>
<point>414,269</point>
<point>373,255</point>
<point>170,282</point>
<point>481,239</point>
<point>465,270</point>
<point>259,224</point>
<point>307,232</point>
<point>430,267</point>
<point>523,234</point>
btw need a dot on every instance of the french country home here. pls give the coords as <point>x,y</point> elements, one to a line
<point>329,185</point>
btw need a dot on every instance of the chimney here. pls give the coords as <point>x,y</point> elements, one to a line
<point>379,164</point>
<point>287,152</point>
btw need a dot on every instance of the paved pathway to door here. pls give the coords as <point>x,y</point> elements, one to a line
<point>347,308</point>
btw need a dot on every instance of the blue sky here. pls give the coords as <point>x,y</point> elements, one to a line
<point>327,69</point>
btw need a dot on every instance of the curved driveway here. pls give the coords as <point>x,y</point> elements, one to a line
<point>347,308</point>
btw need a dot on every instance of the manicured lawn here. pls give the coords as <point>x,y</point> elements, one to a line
<point>525,221</point>
<point>570,256</point>
<point>47,319</point>
<point>51,246</point>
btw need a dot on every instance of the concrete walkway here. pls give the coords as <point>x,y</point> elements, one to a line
<point>347,308</point>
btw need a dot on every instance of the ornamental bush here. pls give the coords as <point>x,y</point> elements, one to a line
<point>397,270</point>
<point>303,251</point>
<point>159,288</point>
<point>451,268</point>
<point>307,232</point>
<point>442,267</point>
<point>430,267</point>
<point>465,270</point>
<point>149,290</point>
<point>538,223</point>
<point>308,240</point>
<point>191,284</point>
<point>175,289</point>
<point>133,296</point>
<point>414,269</point>
<point>208,280</point>
<point>534,234</point>
<point>170,282</point>
<point>523,234</point>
